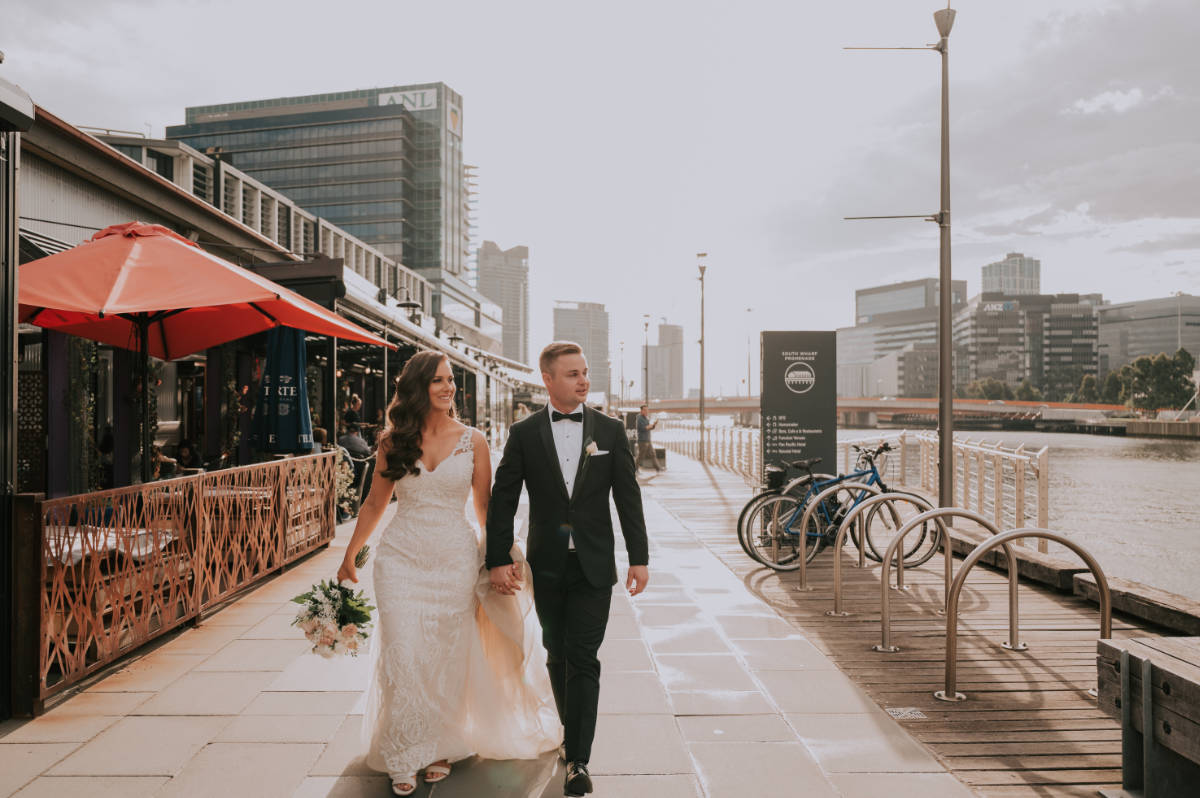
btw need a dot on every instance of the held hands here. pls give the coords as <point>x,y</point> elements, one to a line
<point>638,578</point>
<point>506,579</point>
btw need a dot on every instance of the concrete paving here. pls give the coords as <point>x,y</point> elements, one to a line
<point>705,691</point>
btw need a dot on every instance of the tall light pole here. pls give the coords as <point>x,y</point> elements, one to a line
<point>621,393</point>
<point>700,256</point>
<point>646,358</point>
<point>944,20</point>
<point>749,349</point>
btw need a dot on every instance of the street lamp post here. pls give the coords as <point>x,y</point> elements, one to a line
<point>944,20</point>
<point>621,391</point>
<point>749,349</point>
<point>701,256</point>
<point>646,358</point>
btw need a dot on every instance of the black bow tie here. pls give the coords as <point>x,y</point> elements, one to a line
<point>557,416</point>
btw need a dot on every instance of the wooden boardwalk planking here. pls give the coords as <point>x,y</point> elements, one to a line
<point>1028,728</point>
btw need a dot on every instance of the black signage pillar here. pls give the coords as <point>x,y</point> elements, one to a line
<point>798,397</point>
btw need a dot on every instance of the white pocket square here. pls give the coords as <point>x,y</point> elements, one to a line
<point>599,452</point>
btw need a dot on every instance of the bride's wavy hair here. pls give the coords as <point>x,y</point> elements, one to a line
<point>407,412</point>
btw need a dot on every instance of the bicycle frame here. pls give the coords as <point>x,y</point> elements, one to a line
<point>868,476</point>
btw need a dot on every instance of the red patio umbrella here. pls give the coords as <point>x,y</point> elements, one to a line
<point>143,287</point>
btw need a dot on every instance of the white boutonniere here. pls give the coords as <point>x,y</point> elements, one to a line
<point>591,448</point>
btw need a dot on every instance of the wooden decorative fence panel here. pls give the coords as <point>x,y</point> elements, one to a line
<point>101,574</point>
<point>310,506</point>
<point>117,570</point>
<point>239,529</point>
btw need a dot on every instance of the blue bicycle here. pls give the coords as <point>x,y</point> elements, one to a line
<point>769,528</point>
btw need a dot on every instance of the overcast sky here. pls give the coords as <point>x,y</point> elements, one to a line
<point>619,140</point>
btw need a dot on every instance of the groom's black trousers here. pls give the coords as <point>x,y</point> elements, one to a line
<point>574,615</point>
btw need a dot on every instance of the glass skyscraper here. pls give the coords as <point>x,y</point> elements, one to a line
<point>385,165</point>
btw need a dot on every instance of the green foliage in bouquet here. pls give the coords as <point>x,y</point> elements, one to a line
<point>333,602</point>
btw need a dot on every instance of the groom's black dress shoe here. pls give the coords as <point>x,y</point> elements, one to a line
<point>578,783</point>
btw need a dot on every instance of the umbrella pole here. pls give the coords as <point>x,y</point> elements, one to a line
<point>144,335</point>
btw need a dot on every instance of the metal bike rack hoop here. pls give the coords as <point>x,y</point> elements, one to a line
<point>811,508</point>
<point>950,693</point>
<point>885,610</point>
<point>887,499</point>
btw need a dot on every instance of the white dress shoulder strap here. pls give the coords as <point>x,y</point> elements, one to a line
<point>466,443</point>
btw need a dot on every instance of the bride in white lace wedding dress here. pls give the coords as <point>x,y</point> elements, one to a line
<point>459,669</point>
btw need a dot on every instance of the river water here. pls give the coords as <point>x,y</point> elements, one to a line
<point>1134,503</point>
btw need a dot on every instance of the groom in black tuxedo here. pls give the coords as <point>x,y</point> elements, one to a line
<point>570,458</point>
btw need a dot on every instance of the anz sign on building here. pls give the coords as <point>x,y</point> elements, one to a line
<point>418,100</point>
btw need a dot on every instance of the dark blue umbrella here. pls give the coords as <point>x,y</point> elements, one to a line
<point>282,422</point>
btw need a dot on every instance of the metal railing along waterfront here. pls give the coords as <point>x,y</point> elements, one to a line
<point>100,574</point>
<point>1009,486</point>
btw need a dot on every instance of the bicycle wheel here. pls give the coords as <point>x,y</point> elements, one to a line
<point>797,488</point>
<point>880,530</point>
<point>774,535</point>
<point>741,522</point>
<point>770,537</point>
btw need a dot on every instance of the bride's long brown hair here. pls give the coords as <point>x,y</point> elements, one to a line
<point>401,438</point>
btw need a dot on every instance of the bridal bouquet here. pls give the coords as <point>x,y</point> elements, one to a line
<point>335,619</point>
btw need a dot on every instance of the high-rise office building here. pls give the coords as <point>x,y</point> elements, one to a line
<point>1016,275</point>
<point>1050,339</point>
<point>504,279</point>
<point>888,319</point>
<point>383,164</point>
<point>586,323</point>
<point>665,361</point>
<point>1129,330</point>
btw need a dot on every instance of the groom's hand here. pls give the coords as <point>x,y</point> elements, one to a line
<point>638,578</point>
<point>506,579</point>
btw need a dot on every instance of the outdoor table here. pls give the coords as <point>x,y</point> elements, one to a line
<point>141,543</point>
<point>113,582</point>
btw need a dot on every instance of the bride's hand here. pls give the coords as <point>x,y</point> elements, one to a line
<point>347,573</point>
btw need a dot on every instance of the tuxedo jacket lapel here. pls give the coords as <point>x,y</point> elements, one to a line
<point>589,429</point>
<point>551,452</point>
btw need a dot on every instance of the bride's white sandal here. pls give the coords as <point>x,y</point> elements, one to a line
<point>405,785</point>
<point>436,773</point>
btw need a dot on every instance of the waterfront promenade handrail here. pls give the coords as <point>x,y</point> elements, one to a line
<point>810,508</point>
<point>888,500</point>
<point>1010,485</point>
<point>100,574</point>
<point>950,692</point>
<point>894,550</point>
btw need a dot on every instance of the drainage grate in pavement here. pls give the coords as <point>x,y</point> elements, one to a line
<point>906,713</point>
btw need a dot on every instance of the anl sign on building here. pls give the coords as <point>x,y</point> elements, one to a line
<point>798,398</point>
